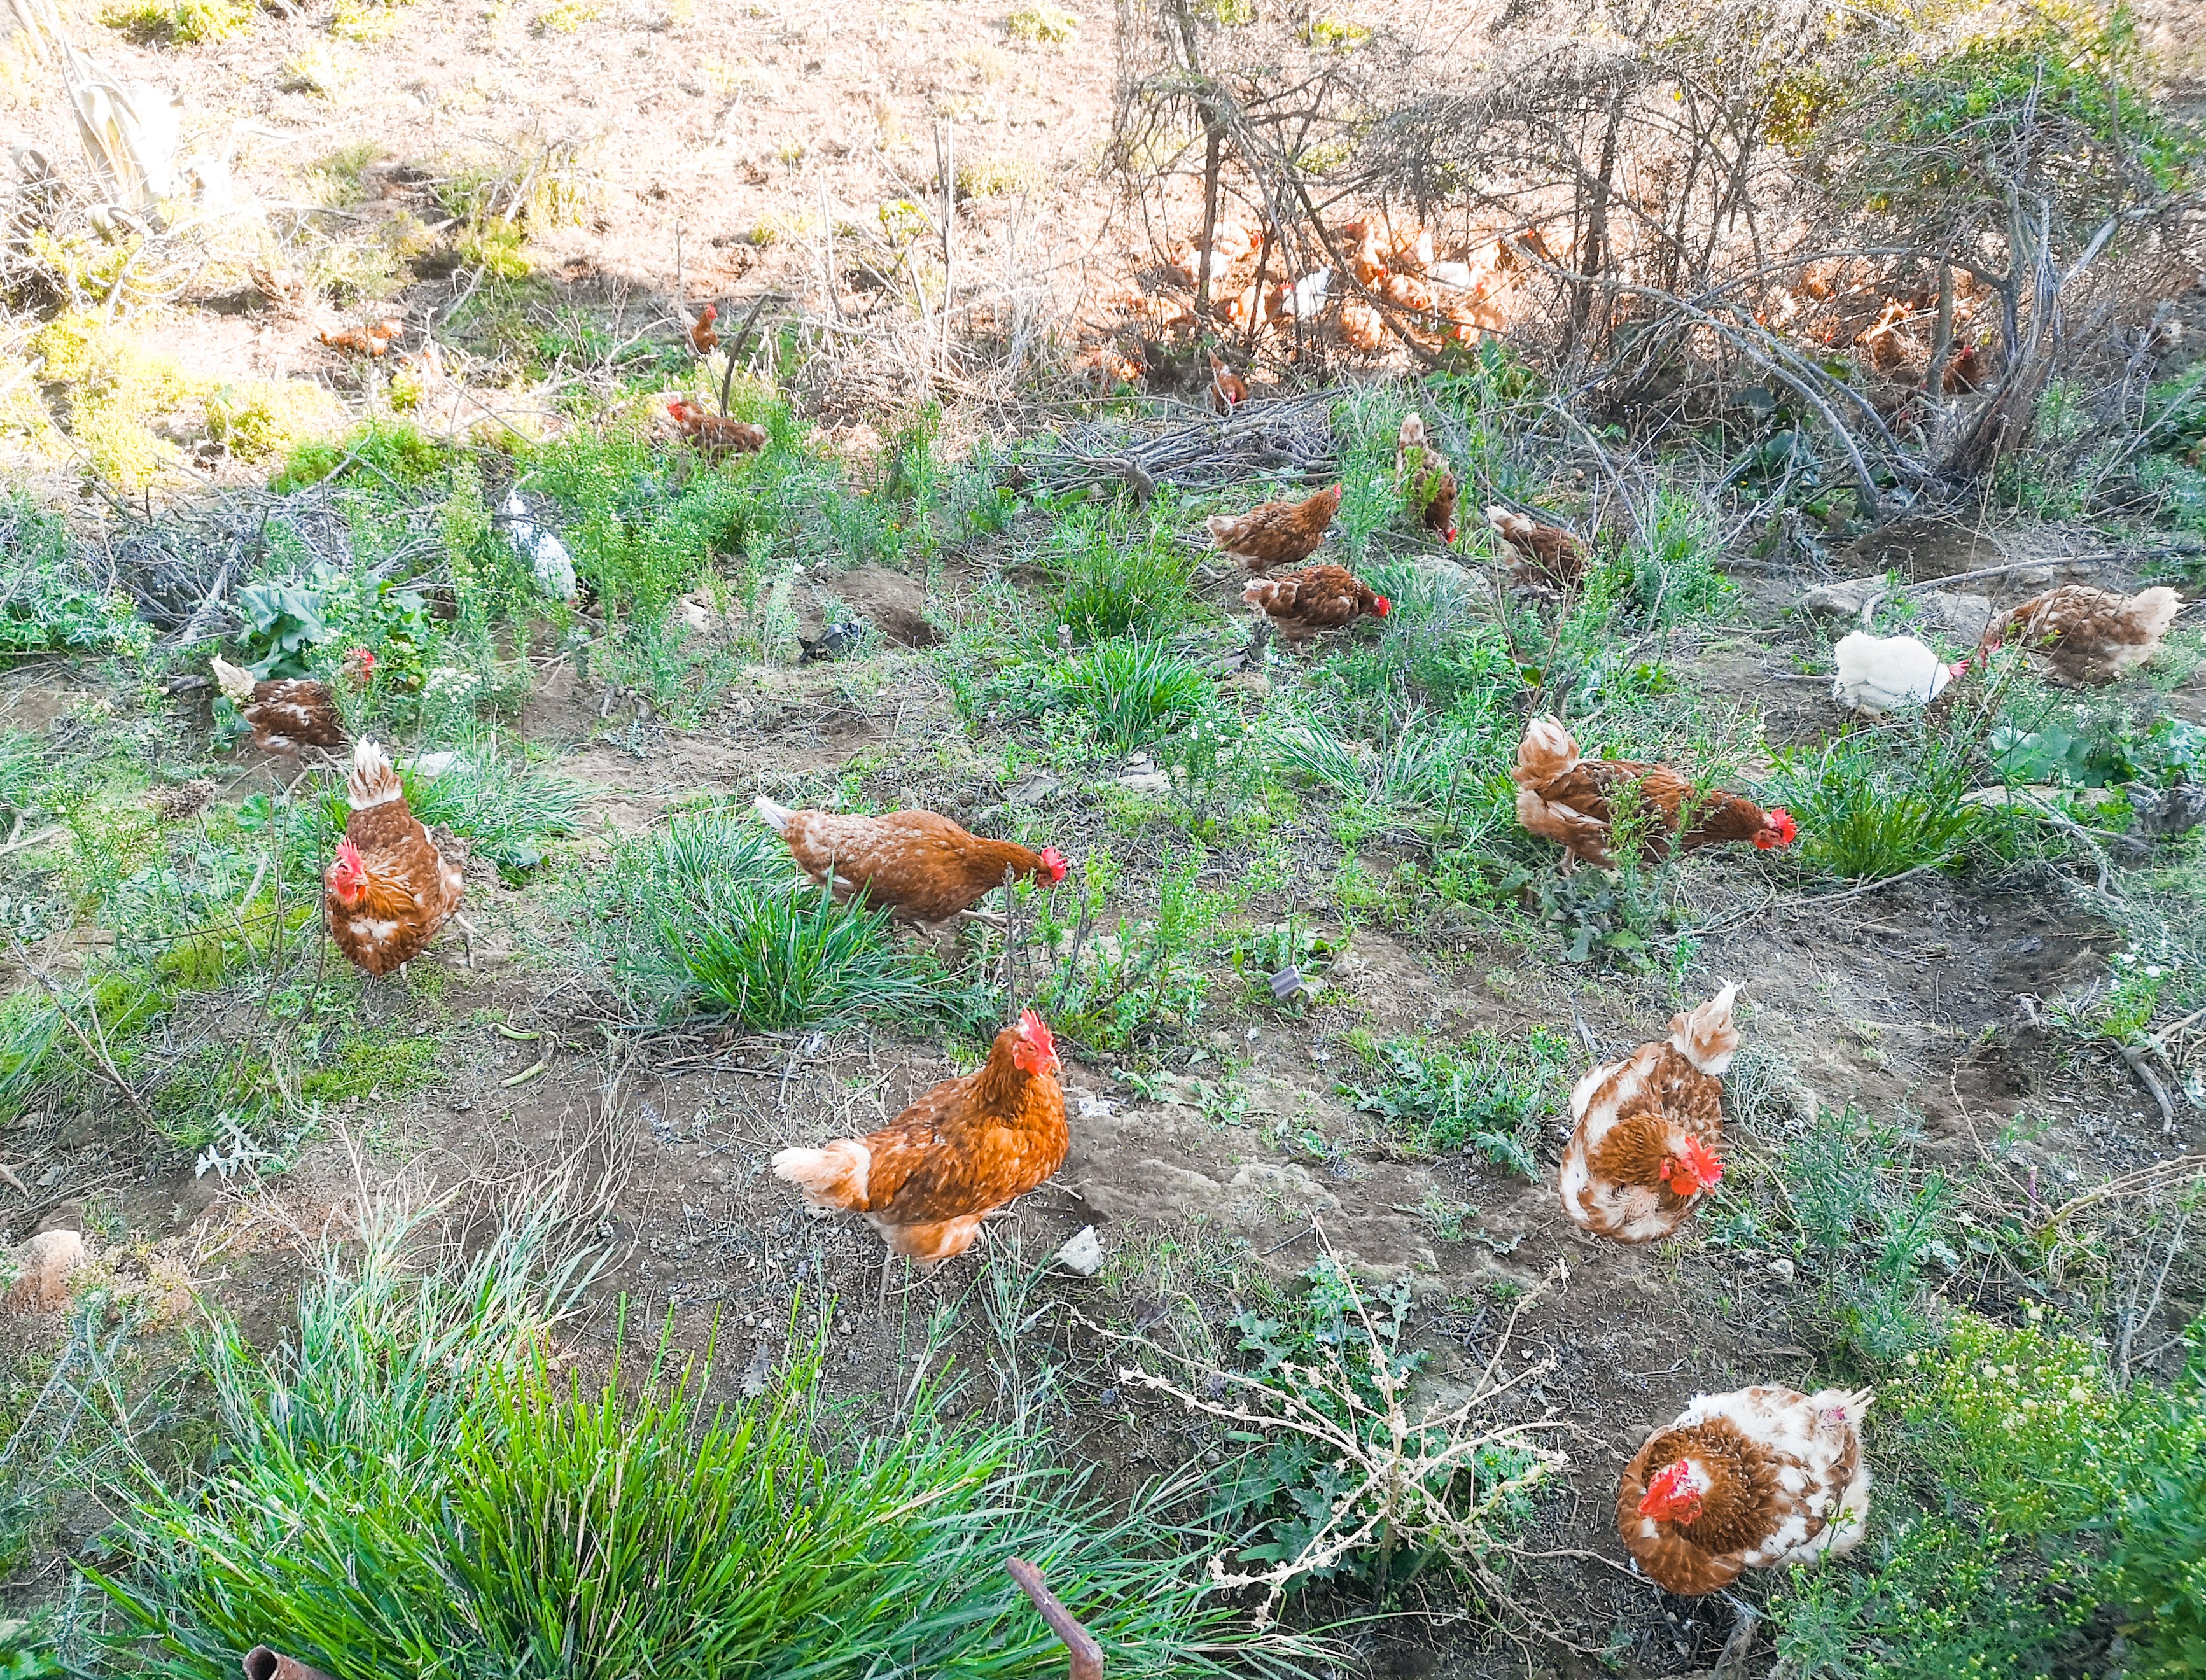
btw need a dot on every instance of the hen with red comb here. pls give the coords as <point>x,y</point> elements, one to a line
<point>1644,1150</point>
<point>1745,1481</point>
<point>921,866</point>
<point>969,1146</point>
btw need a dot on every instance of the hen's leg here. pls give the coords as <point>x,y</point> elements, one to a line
<point>467,936</point>
<point>888,1262</point>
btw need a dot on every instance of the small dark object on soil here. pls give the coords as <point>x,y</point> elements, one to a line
<point>833,642</point>
<point>263,1664</point>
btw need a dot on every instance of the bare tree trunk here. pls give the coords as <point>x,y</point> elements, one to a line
<point>1941,336</point>
<point>1586,330</point>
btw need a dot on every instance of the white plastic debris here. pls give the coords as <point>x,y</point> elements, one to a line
<point>1092,1107</point>
<point>1084,1252</point>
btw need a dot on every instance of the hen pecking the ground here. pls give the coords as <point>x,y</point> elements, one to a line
<point>714,434</point>
<point>1541,556</point>
<point>1306,604</point>
<point>968,1147</point>
<point>1578,802</point>
<point>1276,534</point>
<point>394,884</point>
<point>2089,635</point>
<point>289,714</point>
<point>921,867</point>
<point>1879,674</point>
<point>1745,1481</point>
<point>1645,1148</point>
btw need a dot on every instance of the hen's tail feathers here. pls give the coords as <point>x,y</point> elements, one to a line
<point>1413,430</point>
<point>775,817</point>
<point>832,1177</point>
<point>236,685</point>
<point>1705,1036</point>
<point>1271,594</point>
<point>373,781</point>
<point>1547,750</point>
<point>1221,530</point>
<point>2152,611</point>
<point>1853,1401</point>
<point>1507,523</point>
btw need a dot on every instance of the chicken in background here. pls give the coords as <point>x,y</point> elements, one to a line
<point>1302,606</point>
<point>1426,481</point>
<point>1228,389</point>
<point>1574,802</point>
<point>703,338</point>
<point>1539,555</point>
<point>921,866</point>
<point>373,340</point>
<point>1644,1150</point>
<point>1229,243</point>
<point>965,1148</point>
<point>548,556</point>
<point>1967,370</point>
<point>1361,327</point>
<point>715,435</point>
<point>1746,1480</point>
<point>1275,533</point>
<point>1406,291</point>
<point>1881,674</point>
<point>2089,635</point>
<point>1306,297</point>
<point>394,884</point>
<point>290,714</point>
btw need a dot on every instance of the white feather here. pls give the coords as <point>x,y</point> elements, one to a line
<point>775,817</point>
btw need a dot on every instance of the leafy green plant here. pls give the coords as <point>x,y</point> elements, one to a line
<point>788,959</point>
<point>50,600</point>
<point>1483,1096</point>
<point>1144,979</point>
<point>1615,915</point>
<point>1119,574</point>
<point>507,808</point>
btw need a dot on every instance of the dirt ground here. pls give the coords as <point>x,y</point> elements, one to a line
<point>1917,998</point>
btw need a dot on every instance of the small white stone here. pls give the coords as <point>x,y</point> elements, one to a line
<point>1083,1254</point>
<point>1783,1268</point>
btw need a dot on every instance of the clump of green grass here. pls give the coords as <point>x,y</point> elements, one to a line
<point>407,1487</point>
<point>1134,692</point>
<point>506,808</point>
<point>709,911</point>
<point>1869,808</point>
<point>788,959</point>
<point>1483,1096</point>
<point>1116,574</point>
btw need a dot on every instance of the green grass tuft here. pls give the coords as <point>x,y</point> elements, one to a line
<point>1869,808</point>
<point>1136,691</point>
<point>407,1489</point>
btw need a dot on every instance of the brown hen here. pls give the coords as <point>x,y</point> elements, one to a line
<point>1745,1481</point>
<point>1304,605</point>
<point>921,867</point>
<point>1541,555</point>
<point>288,714</point>
<point>1423,475</point>
<point>1276,534</point>
<point>969,1146</point>
<point>1644,1149</point>
<point>1563,798</point>
<point>394,884</point>
<point>715,434</point>
<point>2090,635</point>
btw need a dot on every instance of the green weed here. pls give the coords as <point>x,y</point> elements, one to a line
<point>1483,1096</point>
<point>789,959</point>
<point>1134,692</point>
<point>1119,574</point>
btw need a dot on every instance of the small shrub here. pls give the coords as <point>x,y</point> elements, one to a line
<point>789,959</point>
<point>259,420</point>
<point>1869,808</point>
<point>1043,25</point>
<point>1114,579</point>
<point>185,22</point>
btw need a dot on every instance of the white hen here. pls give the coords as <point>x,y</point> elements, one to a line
<point>1881,674</point>
<point>548,556</point>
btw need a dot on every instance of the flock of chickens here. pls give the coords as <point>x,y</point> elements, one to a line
<point>1762,1476</point>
